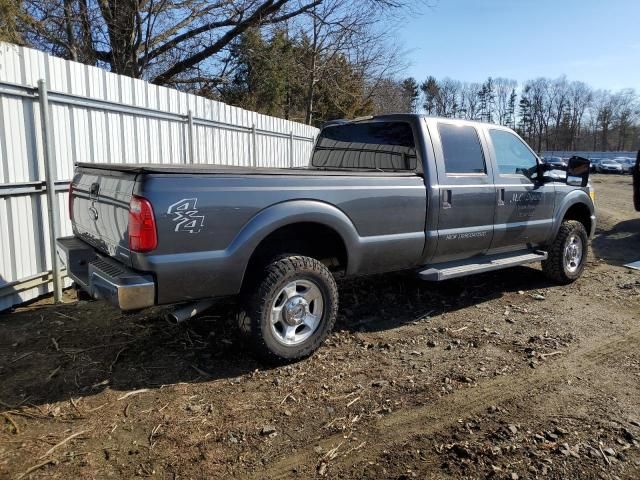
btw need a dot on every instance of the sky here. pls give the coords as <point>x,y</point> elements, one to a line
<point>595,41</point>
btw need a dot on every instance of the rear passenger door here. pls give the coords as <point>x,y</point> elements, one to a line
<point>467,194</point>
<point>524,212</point>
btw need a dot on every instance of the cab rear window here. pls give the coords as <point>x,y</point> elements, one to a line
<point>462,149</point>
<point>386,146</point>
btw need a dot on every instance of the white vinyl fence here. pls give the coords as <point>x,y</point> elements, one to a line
<point>96,116</point>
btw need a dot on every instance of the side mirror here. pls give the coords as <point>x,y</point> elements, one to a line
<point>578,171</point>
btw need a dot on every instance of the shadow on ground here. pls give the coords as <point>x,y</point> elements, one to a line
<point>620,244</point>
<point>51,353</point>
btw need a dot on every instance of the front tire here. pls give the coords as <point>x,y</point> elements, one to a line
<point>292,308</point>
<point>568,253</point>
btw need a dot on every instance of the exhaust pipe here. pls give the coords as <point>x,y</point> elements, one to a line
<point>188,311</point>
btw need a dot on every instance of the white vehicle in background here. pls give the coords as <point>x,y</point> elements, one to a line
<point>609,166</point>
<point>627,163</point>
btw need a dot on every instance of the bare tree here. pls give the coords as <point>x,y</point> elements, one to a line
<point>469,100</point>
<point>503,88</point>
<point>448,96</point>
<point>165,41</point>
<point>580,97</point>
<point>559,105</point>
<point>603,112</point>
<point>393,96</point>
<point>626,111</point>
<point>348,29</point>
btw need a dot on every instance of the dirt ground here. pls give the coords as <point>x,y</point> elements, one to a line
<point>501,375</point>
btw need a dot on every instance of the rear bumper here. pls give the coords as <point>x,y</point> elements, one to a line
<point>104,278</point>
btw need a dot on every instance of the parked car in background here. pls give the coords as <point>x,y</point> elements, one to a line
<point>627,163</point>
<point>557,162</point>
<point>609,166</point>
<point>594,163</point>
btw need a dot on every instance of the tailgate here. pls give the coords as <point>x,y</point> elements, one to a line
<point>101,209</point>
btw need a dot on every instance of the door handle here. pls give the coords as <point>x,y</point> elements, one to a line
<point>500,196</point>
<point>446,199</point>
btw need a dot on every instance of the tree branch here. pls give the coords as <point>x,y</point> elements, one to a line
<point>267,8</point>
<point>234,20</point>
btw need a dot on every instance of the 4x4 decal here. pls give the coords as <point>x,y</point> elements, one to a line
<point>185,214</point>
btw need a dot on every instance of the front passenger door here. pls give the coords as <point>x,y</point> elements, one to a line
<point>525,206</point>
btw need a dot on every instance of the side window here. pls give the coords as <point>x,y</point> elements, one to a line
<point>512,155</point>
<point>387,146</point>
<point>462,149</point>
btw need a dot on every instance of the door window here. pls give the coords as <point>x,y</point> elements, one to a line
<point>462,149</point>
<point>513,157</point>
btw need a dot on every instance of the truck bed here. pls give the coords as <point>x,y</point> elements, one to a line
<point>211,218</point>
<point>237,170</point>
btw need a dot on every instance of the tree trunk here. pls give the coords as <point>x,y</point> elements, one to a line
<point>68,23</point>
<point>87,48</point>
<point>120,17</point>
<point>308,118</point>
<point>310,91</point>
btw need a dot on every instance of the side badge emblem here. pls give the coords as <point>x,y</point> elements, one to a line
<point>185,215</point>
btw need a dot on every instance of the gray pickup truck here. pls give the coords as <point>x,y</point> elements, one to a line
<point>444,198</point>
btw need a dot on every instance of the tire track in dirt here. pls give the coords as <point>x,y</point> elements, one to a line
<point>431,418</point>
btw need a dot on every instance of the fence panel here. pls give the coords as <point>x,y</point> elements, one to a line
<point>98,116</point>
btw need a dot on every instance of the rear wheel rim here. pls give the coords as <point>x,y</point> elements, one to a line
<point>573,253</point>
<point>296,312</point>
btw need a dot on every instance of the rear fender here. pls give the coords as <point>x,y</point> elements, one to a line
<point>288,213</point>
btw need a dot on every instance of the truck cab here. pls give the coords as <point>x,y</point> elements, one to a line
<point>488,193</point>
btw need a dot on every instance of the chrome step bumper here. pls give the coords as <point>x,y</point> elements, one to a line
<point>104,278</point>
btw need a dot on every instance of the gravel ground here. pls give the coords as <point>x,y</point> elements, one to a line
<point>501,375</point>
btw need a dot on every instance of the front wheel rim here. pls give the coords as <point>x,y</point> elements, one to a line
<point>296,312</point>
<point>573,253</point>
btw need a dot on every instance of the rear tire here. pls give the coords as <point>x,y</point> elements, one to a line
<point>291,309</point>
<point>567,254</point>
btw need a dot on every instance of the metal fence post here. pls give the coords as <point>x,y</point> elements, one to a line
<point>291,149</point>
<point>254,152</point>
<point>52,202</point>
<point>190,134</point>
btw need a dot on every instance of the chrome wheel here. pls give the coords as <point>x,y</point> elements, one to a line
<point>573,253</point>
<point>296,312</point>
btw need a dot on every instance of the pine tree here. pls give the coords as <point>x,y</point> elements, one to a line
<point>511,109</point>
<point>9,13</point>
<point>430,90</point>
<point>526,119</point>
<point>487,100</point>
<point>410,92</point>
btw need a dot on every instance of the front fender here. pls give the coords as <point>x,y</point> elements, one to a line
<point>569,200</point>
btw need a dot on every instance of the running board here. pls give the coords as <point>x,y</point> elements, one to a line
<point>461,268</point>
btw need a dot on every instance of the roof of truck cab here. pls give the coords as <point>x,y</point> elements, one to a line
<point>412,117</point>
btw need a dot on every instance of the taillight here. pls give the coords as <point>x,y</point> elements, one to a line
<point>71,201</point>
<point>142,225</point>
